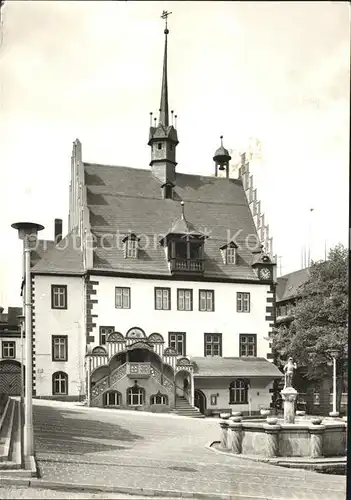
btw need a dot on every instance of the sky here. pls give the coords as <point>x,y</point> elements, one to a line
<point>275,71</point>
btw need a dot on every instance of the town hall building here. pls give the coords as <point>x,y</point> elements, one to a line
<point>161,297</point>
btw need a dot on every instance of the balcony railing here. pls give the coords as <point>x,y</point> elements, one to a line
<point>192,265</point>
<point>138,370</point>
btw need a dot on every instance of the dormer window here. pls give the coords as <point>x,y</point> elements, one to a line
<point>229,252</point>
<point>131,246</point>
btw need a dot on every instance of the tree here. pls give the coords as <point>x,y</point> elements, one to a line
<point>320,320</point>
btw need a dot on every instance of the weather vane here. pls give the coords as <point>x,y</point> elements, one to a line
<point>165,15</point>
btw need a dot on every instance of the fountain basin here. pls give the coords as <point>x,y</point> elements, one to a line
<point>304,438</point>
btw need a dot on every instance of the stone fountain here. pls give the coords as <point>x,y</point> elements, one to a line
<point>318,440</point>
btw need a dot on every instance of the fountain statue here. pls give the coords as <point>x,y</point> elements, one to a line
<point>289,394</point>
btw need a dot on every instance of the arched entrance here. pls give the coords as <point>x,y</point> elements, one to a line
<point>10,377</point>
<point>183,384</point>
<point>200,400</point>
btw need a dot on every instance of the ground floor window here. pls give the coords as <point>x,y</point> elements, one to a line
<point>135,396</point>
<point>238,392</point>
<point>60,383</point>
<point>159,399</point>
<point>112,398</point>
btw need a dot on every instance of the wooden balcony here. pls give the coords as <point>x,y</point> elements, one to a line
<point>189,266</point>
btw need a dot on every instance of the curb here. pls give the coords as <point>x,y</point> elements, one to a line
<point>280,462</point>
<point>41,483</point>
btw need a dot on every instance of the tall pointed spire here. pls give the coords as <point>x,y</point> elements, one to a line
<point>164,114</point>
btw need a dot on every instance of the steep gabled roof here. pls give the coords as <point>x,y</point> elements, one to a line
<point>288,285</point>
<point>122,199</point>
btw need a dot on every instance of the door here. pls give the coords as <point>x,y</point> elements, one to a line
<point>10,378</point>
<point>200,400</point>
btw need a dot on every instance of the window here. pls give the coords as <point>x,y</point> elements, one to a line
<point>213,344</point>
<point>230,255</point>
<point>206,300</point>
<point>135,396</point>
<point>177,342</point>
<point>162,299</point>
<point>104,333</point>
<point>131,248</point>
<point>59,348</point>
<point>159,145</point>
<point>168,191</point>
<point>238,392</point>
<point>159,399</point>
<point>316,398</point>
<point>243,302</point>
<point>112,398</point>
<point>185,299</point>
<point>9,350</point>
<point>58,296</point>
<point>248,345</point>
<point>122,297</point>
<point>60,383</point>
<point>213,399</point>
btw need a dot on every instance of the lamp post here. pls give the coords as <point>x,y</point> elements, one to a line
<point>27,231</point>
<point>334,354</point>
<point>21,320</point>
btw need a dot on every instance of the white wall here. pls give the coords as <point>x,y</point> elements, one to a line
<point>225,319</point>
<point>68,322</point>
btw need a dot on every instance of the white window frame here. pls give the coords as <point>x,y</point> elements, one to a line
<point>115,395</point>
<point>206,300</point>
<point>62,379</point>
<point>238,392</point>
<point>60,345</point>
<point>162,299</point>
<point>230,255</point>
<point>243,302</point>
<point>131,251</point>
<point>161,397</point>
<point>211,342</point>
<point>248,341</point>
<point>177,339</point>
<point>135,398</point>
<point>184,299</point>
<point>122,297</point>
<point>59,297</point>
<point>10,347</point>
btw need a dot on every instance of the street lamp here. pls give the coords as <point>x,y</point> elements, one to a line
<point>27,231</point>
<point>334,353</point>
<point>21,321</point>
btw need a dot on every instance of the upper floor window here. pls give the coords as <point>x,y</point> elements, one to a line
<point>206,300</point>
<point>177,340</point>
<point>242,302</point>
<point>238,392</point>
<point>162,299</point>
<point>8,349</point>
<point>60,383</point>
<point>59,348</point>
<point>185,299</point>
<point>122,297</point>
<point>104,333</point>
<point>58,296</point>
<point>131,246</point>
<point>168,191</point>
<point>248,345</point>
<point>213,344</point>
<point>229,253</point>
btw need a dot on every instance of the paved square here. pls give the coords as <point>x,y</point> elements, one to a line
<point>135,449</point>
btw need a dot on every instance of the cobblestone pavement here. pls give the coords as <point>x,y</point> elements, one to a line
<point>82,445</point>
<point>14,492</point>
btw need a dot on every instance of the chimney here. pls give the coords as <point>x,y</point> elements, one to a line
<point>58,230</point>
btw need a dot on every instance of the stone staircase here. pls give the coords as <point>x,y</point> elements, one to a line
<point>11,442</point>
<point>184,408</point>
